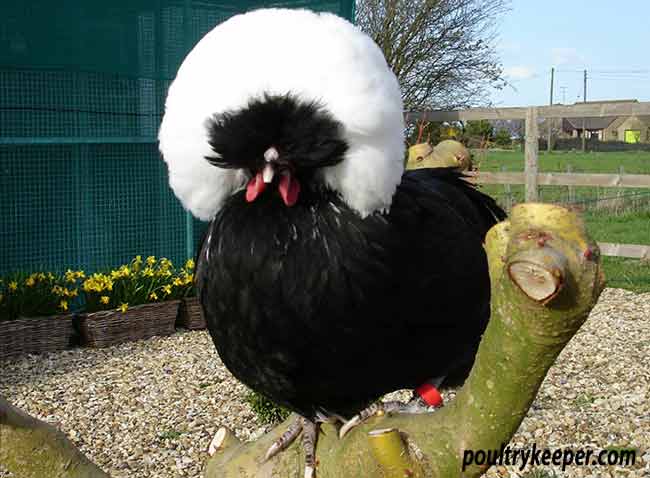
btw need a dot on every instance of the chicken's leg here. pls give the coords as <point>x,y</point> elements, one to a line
<point>426,399</point>
<point>309,431</point>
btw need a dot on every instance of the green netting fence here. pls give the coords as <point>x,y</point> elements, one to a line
<point>82,89</point>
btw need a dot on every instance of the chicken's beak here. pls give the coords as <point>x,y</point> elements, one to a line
<point>288,186</point>
<point>270,156</point>
<point>268,172</point>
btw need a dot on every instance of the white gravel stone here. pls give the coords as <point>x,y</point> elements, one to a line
<point>150,408</point>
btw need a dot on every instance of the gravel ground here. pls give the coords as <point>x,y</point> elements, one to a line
<point>149,409</point>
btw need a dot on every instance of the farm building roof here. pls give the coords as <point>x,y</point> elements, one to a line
<point>596,123</point>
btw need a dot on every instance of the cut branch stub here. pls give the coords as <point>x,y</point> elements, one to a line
<point>539,273</point>
<point>390,452</point>
<point>223,439</point>
<point>446,154</point>
<point>564,251</point>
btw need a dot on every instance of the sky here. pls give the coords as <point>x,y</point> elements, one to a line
<point>608,38</point>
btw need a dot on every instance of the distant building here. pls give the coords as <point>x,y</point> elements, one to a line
<point>630,129</point>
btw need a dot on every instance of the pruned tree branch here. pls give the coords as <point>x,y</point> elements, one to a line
<point>546,277</point>
<point>31,448</point>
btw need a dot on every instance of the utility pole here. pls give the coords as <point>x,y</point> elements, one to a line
<point>549,121</point>
<point>584,100</point>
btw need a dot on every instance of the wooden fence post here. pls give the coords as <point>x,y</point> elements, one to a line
<point>572,190</point>
<point>532,149</point>
<point>620,200</point>
<point>508,193</point>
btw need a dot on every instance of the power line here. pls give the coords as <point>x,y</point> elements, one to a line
<point>634,72</point>
<point>617,79</point>
<point>621,71</point>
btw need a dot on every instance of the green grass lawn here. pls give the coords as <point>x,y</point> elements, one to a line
<point>606,225</point>
<point>633,162</point>
<point>630,274</point>
<point>630,228</point>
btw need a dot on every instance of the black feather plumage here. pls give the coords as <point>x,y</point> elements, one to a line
<point>317,308</point>
<point>304,133</point>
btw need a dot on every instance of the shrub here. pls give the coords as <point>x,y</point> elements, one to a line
<point>479,129</point>
<point>268,412</point>
<point>502,138</point>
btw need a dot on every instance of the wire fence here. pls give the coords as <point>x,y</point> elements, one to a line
<point>82,185</point>
<point>602,199</point>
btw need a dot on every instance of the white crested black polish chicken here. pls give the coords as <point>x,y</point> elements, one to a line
<point>327,275</point>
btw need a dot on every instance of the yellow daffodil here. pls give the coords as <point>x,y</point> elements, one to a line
<point>153,296</point>
<point>70,276</point>
<point>50,276</point>
<point>123,308</point>
<point>147,272</point>
<point>13,285</point>
<point>189,265</point>
<point>151,260</point>
<point>41,276</point>
<point>167,289</point>
<point>64,304</point>
<point>29,282</point>
<point>178,282</point>
<point>98,283</point>
<point>104,299</point>
<point>73,293</point>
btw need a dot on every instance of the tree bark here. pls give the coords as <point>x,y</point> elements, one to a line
<point>546,277</point>
<point>31,448</point>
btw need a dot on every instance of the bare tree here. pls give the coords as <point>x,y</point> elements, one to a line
<point>442,51</point>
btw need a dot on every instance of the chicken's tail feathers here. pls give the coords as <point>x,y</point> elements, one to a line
<point>487,205</point>
<point>484,206</point>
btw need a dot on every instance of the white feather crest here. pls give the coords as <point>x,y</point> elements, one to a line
<point>315,56</point>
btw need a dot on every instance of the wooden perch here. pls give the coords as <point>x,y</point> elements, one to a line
<point>31,448</point>
<point>546,277</point>
<point>446,154</point>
